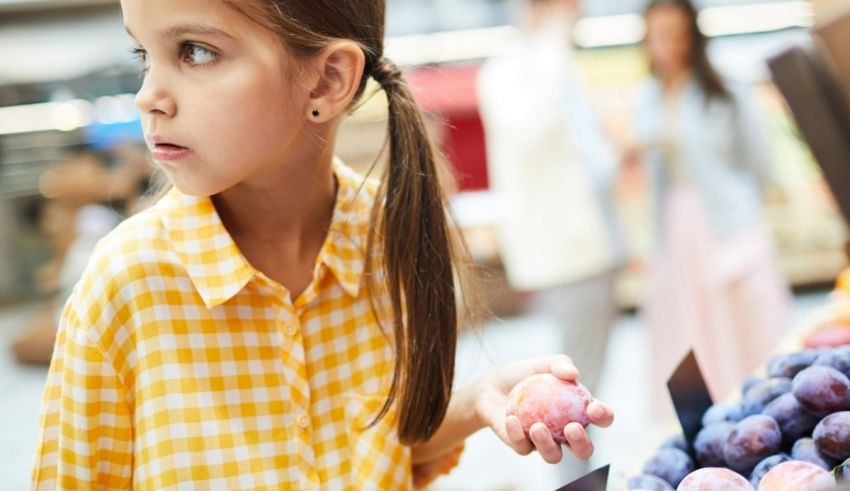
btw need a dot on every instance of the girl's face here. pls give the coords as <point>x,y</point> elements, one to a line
<point>668,39</point>
<point>218,103</point>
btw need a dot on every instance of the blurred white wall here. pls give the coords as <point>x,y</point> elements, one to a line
<point>45,46</point>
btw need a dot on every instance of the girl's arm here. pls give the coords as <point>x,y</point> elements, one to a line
<point>461,421</point>
<point>483,403</point>
<point>86,437</point>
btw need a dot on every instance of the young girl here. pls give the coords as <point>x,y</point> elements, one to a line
<point>715,284</point>
<point>234,335</point>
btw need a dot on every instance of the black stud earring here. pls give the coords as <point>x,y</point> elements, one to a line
<point>315,113</point>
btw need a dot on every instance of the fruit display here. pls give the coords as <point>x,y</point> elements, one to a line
<point>832,436</point>
<point>763,393</point>
<point>765,466</point>
<point>793,420</point>
<point>805,449</point>
<point>670,464</point>
<point>842,473</point>
<point>822,390</point>
<point>830,328</point>
<point>838,359</point>
<point>788,431</point>
<point>646,482</point>
<point>790,364</point>
<point>710,442</point>
<point>719,413</point>
<point>547,399</point>
<point>842,283</point>
<point>711,478</point>
<point>752,440</point>
<point>797,476</point>
<point>829,336</point>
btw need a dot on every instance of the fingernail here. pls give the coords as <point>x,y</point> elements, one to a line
<point>538,433</point>
<point>574,433</point>
<point>595,411</point>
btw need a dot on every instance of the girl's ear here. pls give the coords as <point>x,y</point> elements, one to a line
<point>337,72</point>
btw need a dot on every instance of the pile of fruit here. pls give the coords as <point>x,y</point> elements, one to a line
<point>834,328</point>
<point>790,431</point>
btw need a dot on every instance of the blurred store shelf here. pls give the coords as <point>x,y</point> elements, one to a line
<point>30,6</point>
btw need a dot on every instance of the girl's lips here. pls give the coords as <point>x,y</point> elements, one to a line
<point>167,151</point>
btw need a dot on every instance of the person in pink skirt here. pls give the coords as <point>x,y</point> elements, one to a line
<point>714,284</point>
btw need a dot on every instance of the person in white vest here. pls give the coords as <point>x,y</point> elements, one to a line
<point>552,169</point>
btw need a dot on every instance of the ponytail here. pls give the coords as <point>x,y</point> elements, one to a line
<point>411,218</point>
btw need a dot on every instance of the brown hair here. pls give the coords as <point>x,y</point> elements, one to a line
<point>705,72</point>
<point>409,218</point>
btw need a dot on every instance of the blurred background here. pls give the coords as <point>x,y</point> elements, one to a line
<point>73,164</point>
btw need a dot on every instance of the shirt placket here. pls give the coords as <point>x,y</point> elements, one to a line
<point>298,419</point>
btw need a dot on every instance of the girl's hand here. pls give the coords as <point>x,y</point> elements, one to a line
<point>492,402</point>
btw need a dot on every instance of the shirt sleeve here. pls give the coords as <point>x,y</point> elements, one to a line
<point>428,472</point>
<point>86,432</point>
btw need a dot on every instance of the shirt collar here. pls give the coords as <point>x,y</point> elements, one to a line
<point>344,251</point>
<point>217,267</point>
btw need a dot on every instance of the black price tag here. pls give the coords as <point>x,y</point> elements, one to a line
<point>595,481</point>
<point>690,397</point>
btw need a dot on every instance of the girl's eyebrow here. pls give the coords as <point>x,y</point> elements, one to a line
<point>195,29</point>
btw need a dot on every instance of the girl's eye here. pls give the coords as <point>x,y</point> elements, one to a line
<point>142,56</point>
<point>196,55</point>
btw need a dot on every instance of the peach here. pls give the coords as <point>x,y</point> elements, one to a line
<point>714,478</point>
<point>829,336</point>
<point>797,476</point>
<point>549,400</point>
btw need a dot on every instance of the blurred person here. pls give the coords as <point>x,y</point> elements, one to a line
<point>714,283</point>
<point>84,201</point>
<point>553,170</point>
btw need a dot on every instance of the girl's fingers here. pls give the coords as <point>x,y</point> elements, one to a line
<point>516,436</point>
<point>559,365</point>
<point>545,444</point>
<point>562,367</point>
<point>578,441</point>
<point>600,414</point>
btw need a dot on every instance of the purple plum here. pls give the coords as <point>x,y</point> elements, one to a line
<point>822,390</point>
<point>752,440</point>
<point>794,421</point>
<point>670,464</point>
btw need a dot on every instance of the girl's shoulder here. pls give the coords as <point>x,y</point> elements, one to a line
<point>135,240</point>
<point>136,250</point>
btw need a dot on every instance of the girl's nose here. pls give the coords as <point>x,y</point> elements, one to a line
<point>153,97</point>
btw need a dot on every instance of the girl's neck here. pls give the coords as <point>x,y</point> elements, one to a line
<point>280,220</point>
<point>291,203</point>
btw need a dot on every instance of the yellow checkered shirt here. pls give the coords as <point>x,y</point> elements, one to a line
<point>180,366</point>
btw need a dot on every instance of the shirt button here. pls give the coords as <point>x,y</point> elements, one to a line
<point>303,421</point>
<point>291,330</point>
